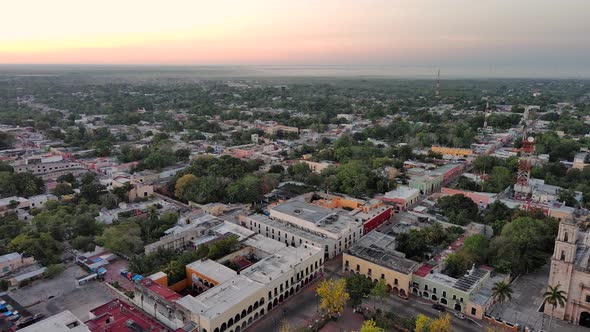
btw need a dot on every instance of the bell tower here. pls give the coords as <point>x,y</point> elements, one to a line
<point>562,261</point>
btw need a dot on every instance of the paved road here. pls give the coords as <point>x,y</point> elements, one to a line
<point>412,308</point>
<point>301,309</point>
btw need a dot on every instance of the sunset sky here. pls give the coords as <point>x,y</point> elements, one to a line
<point>552,34</point>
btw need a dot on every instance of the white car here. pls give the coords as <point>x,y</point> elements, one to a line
<point>459,315</point>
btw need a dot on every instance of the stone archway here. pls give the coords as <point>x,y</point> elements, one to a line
<point>395,290</point>
<point>443,301</point>
<point>458,307</point>
<point>414,291</point>
<point>584,319</point>
<point>434,298</point>
<point>402,293</point>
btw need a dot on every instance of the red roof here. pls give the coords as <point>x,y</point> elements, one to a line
<point>423,270</point>
<point>163,292</point>
<point>242,262</point>
<point>118,315</point>
<point>458,243</point>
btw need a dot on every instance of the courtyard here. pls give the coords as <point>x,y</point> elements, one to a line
<point>52,296</point>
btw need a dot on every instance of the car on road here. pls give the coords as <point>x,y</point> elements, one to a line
<point>438,307</point>
<point>459,315</point>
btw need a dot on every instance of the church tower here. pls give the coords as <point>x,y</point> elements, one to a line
<point>562,262</point>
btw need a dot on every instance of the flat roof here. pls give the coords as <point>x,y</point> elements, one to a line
<point>228,228</point>
<point>379,248</point>
<point>121,317</point>
<point>402,192</point>
<point>212,269</point>
<point>291,229</point>
<point>220,298</point>
<point>332,220</point>
<point>423,270</point>
<point>10,257</point>
<point>64,321</point>
<point>163,292</point>
<point>234,290</point>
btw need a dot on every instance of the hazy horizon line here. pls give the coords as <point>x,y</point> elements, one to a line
<point>338,70</point>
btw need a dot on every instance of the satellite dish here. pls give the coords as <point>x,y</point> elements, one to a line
<point>531,139</point>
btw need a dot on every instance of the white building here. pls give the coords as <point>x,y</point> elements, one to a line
<point>65,321</point>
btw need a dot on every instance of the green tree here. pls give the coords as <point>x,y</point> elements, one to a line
<point>379,290</point>
<point>554,297</point>
<point>358,287</point>
<point>245,190</point>
<point>459,209</point>
<point>299,171</point>
<point>54,270</point>
<point>62,189</point>
<point>124,238</point>
<point>568,197</point>
<point>184,184</point>
<point>501,292</point>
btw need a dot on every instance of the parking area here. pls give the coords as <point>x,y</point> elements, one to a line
<point>62,293</point>
<point>113,273</point>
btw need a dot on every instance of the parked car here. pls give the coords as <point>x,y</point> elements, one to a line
<point>459,315</point>
<point>438,307</point>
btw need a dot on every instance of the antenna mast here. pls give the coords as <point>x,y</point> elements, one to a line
<point>438,83</point>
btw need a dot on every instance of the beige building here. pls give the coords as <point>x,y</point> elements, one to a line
<point>13,261</point>
<point>319,166</point>
<point>375,257</point>
<point>570,268</point>
<point>234,301</point>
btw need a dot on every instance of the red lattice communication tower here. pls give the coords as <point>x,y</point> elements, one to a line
<point>522,188</point>
<point>486,115</point>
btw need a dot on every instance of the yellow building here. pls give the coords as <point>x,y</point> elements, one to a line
<point>375,257</point>
<point>451,151</point>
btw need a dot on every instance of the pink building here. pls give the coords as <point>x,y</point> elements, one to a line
<point>242,153</point>
<point>479,198</point>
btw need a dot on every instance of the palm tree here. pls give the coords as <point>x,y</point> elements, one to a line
<point>554,296</point>
<point>502,292</point>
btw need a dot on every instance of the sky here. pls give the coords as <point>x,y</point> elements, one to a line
<point>538,37</point>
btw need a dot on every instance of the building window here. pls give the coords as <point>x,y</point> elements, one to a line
<point>425,287</point>
<point>395,282</point>
<point>562,255</point>
<point>565,237</point>
<point>444,294</point>
<point>434,290</point>
<point>382,276</point>
<point>588,298</point>
<point>473,311</point>
<point>369,272</point>
<point>358,268</point>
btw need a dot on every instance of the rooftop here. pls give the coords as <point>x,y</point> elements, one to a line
<point>213,270</point>
<point>402,192</point>
<point>120,316</point>
<point>334,221</point>
<point>236,289</point>
<point>64,321</point>
<point>163,292</point>
<point>10,257</point>
<point>291,229</point>
<point>379,248</point>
